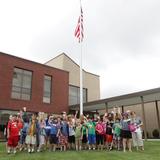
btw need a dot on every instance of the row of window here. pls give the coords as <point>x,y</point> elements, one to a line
<point>22,85</point>
<point>22,88</point>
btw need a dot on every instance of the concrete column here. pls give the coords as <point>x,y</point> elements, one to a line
<point>144,118</point>
<point>158,118</point>
<point>106,104</point>
<point>122,108</point>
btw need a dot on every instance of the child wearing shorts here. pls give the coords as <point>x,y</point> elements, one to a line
<point>109,135</point>
<point>53,139</point>
<point>31,136</point>
<point>12,134</point>
<point>78,135</point>
<point>71,138</point>
<point>91,133</point>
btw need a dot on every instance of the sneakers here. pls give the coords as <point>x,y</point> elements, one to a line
<point>14,151</point>
<point>8,151</point>
<point>29,150</point>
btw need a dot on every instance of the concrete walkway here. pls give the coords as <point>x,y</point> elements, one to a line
<point>153,139</point>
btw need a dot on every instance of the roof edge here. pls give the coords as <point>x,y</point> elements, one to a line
<point>32,61</point>
<point>130,95</point>
<point>72,61</point>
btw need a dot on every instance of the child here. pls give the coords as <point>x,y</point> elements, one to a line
<point>71,138</point>
<point>12,134</point>
<point>31,135</point>
<point>84,136</point>
<point>53,134</point>
<point>91,133</point>
<point>47,129</point>
<point>117,131</point>
<point>24,134</point>
<point>62,141</point>
<point>109,131</point>
<point>78,135</point>
<point>64,133</point>
<point>42,134</point>
<point>100,133</point>
<point>109,135</point>
<point>20,126</point>
<point>6,131</point>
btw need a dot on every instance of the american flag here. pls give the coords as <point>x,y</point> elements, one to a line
<point>79,28</point>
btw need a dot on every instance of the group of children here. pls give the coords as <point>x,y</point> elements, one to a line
<point>67,132</point>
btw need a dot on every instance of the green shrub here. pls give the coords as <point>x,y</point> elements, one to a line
<point>155,133</point>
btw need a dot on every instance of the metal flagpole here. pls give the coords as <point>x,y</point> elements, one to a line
<point>81,71</point>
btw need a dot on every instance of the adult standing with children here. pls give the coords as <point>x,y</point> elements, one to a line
<point>137,133</point>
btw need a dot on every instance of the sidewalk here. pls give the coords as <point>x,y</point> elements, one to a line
<point>153,139</point>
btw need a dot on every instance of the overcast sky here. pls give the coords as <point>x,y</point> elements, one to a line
<point>121,44</point>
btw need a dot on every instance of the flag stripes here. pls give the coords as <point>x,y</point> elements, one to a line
<point>79,28</point>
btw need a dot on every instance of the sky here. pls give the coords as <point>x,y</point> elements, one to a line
<point>121,38</point>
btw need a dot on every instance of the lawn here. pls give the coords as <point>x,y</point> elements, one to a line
<point>152,152</point>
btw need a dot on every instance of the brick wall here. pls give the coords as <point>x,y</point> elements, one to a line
<point>60,81</point>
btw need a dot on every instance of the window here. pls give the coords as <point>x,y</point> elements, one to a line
<point>21,84</point>
<point>47,89</point>
<point>74,95</point>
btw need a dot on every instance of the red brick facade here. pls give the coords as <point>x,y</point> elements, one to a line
<point>60,84</point>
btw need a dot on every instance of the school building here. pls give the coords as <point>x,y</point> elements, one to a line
<point>39,87</point>
<point>53,87</point>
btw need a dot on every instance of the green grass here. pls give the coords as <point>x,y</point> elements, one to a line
<point>152,152</point>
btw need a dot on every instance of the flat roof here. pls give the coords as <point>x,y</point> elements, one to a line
<point>122,100</point>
